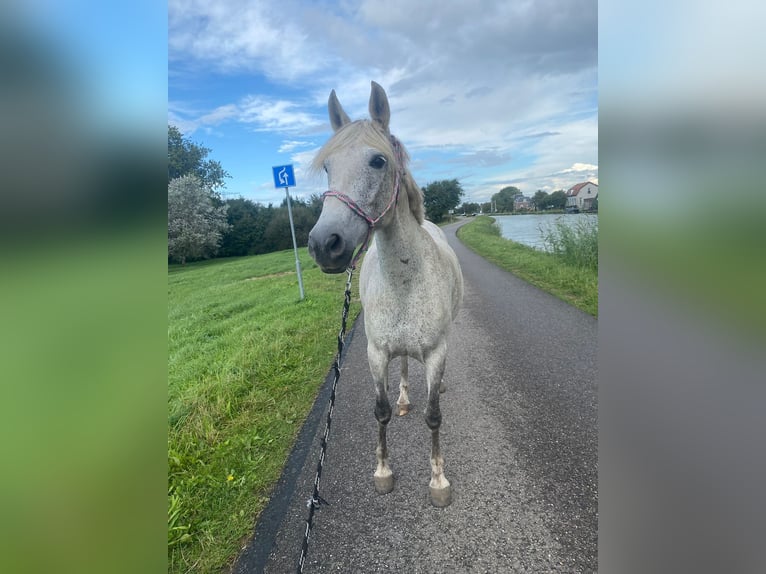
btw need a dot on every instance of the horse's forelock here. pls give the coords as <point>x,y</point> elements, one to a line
<point>368,133</point>
<point>354,133</point>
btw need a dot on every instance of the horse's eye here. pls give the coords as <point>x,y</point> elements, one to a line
<point>378,162</point>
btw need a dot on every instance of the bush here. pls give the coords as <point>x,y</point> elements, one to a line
<point>576,244</point>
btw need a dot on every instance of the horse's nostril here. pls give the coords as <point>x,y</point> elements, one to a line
<point>334,244</point>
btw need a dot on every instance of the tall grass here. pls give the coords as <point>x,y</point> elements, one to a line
<point>574,244</point>
<point>576,284</point>
<point>246,359</point>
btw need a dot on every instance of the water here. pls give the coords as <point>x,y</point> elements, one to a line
<point>527,229</point>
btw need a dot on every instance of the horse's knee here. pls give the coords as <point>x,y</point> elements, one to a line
<point>383,411</point>
<point>433,418</point>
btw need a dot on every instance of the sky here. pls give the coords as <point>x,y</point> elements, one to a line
<point>492,94</point>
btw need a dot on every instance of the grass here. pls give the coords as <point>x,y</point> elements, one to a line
<point>576,245</point>
<point>574,282</point>
<point>246,359</point>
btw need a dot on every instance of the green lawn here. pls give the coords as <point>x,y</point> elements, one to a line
<point>246,359</point>
<point>576,284</point>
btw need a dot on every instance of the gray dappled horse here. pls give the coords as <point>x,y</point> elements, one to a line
<point>410,284</point>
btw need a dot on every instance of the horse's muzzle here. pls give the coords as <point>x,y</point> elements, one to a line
<point>330,250</point>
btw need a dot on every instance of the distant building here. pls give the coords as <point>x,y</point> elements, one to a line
<point>580,196</point>
<point>521,203</point>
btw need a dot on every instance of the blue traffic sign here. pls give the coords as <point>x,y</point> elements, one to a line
<point>283,176</point>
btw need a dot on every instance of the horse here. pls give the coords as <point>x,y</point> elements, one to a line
<point>411,284</point>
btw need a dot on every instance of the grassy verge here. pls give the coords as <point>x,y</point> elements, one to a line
<point>575,245</point>
<point>246,359</point>
<point>573,282</point>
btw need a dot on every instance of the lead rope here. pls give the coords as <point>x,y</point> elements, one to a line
<point>315,501</point>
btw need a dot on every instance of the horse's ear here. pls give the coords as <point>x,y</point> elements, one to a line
<point>379,110</point>
<point>338,118</point>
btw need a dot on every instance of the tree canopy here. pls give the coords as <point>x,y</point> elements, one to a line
<point>441,196</point>
<point>188,158</point>
<point>541,199</point>
<point>469,207</point>
<point>555,200</point>
<point>255,229</point>
<point>247,224</point>
<point>504,198</point>
<point>196,220</point>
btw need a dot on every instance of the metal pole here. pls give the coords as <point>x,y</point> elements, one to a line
<point>295,243</point>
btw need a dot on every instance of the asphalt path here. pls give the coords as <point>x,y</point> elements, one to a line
<point>519,438</point>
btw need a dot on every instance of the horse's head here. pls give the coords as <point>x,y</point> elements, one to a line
<point>364,165</point>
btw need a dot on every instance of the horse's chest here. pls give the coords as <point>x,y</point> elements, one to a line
<point>404,318</point>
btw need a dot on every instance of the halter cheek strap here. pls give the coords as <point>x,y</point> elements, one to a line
<point>353,206</point>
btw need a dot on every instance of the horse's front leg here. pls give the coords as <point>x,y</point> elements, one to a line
<point>441,493</point>
<point>378,359</point>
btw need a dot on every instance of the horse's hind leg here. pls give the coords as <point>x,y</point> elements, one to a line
<point>404,400</point>
<point>384,478</point>
<point>441,493</point>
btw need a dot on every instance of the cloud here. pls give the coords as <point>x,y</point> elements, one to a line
<point>432,41</point>
<point>241,35</point>
<point>289,145</point>
<point>456,75</point>
<point>580,167</point>
<point>497,83</point>
<point>260,113</point>
<point>481,158</point>
<point>220,114</point>
<point>278,115</point>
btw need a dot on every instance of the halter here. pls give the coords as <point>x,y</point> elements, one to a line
<point>353,206</point>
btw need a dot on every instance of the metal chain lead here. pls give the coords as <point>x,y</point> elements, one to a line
<point>315,501</point>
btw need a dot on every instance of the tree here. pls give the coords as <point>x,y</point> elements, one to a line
<point>469,207</point>
<point>188,158</point>
<point>541,199</point>
<point>316,203</point>
<point>504,198</point>
<point>557,199</point>
<point>441,196</point>
<point>278,236</point>
<point>196,221</point>
<point>247,223</point>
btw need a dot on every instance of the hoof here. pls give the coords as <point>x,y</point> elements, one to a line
<point>404,409</point>
<point>441,497</point>
<point>384,484</point>
<point>442,388</point>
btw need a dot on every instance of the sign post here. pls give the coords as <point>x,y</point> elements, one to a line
<point>284,177</point>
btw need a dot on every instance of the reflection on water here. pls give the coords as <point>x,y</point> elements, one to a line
<point>528,229</point>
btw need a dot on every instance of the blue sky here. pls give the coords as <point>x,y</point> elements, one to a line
<point>491,93</point>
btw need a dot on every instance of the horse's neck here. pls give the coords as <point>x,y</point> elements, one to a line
<point>401,241</point>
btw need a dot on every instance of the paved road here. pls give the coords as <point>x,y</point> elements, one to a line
<point>519,437</point>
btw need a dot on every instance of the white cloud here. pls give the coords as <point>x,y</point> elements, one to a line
<point>258,112</point>
<point>275,115</point>
<point>497,82</point>
<point>580,167</point>
<point>241,35</point>
<point>290,145</point>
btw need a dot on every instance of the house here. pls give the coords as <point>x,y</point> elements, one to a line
<point>521,203</point>
<point>580,196</point>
